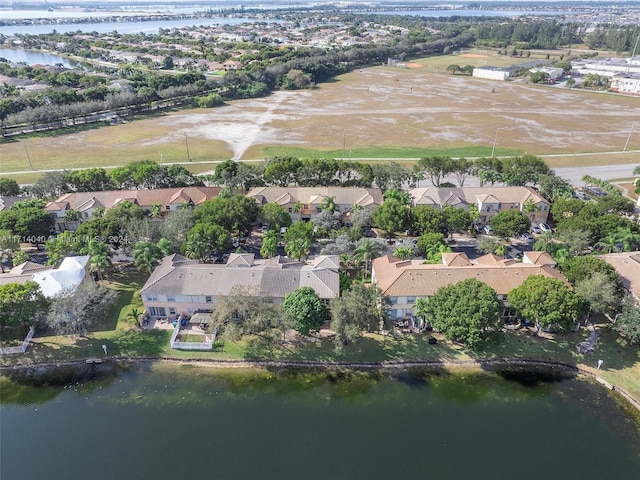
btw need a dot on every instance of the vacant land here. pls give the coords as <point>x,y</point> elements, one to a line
<point>376,112</point>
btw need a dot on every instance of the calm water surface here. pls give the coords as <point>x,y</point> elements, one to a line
<point>167,422</point>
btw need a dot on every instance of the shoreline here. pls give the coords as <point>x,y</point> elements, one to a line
<point>283,364</point>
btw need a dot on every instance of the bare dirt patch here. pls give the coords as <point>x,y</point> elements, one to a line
<point>472,55</point>
<point>379,107</point>
<point>414,65</point>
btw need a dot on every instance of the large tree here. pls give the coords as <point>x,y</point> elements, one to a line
<point>510,223</point>
<point>547,302</point>
<point>235,213</point>
<point>360,309</point>
<point>599,292</point>
<point>208,238</point>
<point>274,215</point>
<point>392,216</point>
<point>72,313</point>
<point>435,168</point>
<point>9,187</point>
<point>304,311</point>
<point>21,304</point>
<point>627,322</point>
<point>468,311</point>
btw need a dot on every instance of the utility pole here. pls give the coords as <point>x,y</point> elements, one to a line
<point>28,156</point>
<point>629,136</point>
<point>186,142</point>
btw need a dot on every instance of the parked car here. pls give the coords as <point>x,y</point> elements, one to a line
<point>283,230</point>
<point>596,191</point>
<point>535,228</point>
<point>527,237</point>
<point>235,242</point>
<point>488,230</point>
<point>581,195</point>
<point>264,228</point>
<point>477,227</point>
<point>545,228</point>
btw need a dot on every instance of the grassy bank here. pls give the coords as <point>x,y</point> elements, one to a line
<point>123,338</point>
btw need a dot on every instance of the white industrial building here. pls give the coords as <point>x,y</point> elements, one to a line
<point>626,83</point>
<point>608,67</point>
<point>553,72</point>
<point>491,73</point>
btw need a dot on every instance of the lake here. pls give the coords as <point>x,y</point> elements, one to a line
<point>34,58</point>
<point>180,422</point>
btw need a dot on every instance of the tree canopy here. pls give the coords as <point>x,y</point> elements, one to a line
<point>547,302</point>
<point>304,311</point>
<point>468,311</point>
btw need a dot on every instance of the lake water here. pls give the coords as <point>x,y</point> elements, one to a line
<point>168,422</point>
<point>34,58</point>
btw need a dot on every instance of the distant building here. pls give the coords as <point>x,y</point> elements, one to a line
<point>608,67</point>
<point>626,83</point>
<point>488,200</point>
<point>86,202</point>
<point>492,73</point>
<point>554,73</point>
<point>303,202</point>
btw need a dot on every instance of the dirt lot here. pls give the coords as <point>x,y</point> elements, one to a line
<point>379,107</point>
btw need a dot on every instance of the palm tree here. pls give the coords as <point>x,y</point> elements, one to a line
<point>196,248</point>
<point>134,315</point>
<point>365,250</point>
<point>156,210</point>
<point>629,240</point>
<point>610,243</point>
<point>99,258</point>
<point>146,255</point>
<point>543,242</point>
<point>403,253</point>
<point>330,204</point>
<point>165,246</point>
<point>298,248</point>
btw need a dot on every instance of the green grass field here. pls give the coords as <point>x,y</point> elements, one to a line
<point>375,112</point>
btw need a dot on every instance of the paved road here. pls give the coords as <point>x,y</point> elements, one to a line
<point>572,174</point>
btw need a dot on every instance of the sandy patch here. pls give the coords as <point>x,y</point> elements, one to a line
<point>473,55</point>
<point>414,65</point>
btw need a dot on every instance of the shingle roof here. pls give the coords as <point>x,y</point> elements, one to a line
<point>273,278</point>
<point>469,195</point>
<point>413,278</point>
<point>316,195</point>
<point>144,198</point>
<point>627,265</point>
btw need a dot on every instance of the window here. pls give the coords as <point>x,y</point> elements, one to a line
<point>85,214</point>
<point>305,207</point>
<point>152,298</point>
<point>167,207</point>
<point>290,209</point>
<point>394,300</point>
<point>411,299</point>
<point>171,298</point>
<point>208,299</point>
<point>157,311</point>
<point>172,311</point>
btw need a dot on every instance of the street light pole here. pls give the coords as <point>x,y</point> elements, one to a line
<point>493,150</point>
<point>629,136</point>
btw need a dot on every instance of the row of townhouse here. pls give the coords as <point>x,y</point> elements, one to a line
<point>85,203</point>
<point>405,281</point>
<point>181,286</point>
<point>304,202</point>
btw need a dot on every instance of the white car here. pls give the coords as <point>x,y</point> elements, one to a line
<point>582,196</point>
<point>488,230</point>
<point>535,228</point>
<point>544,228</point>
